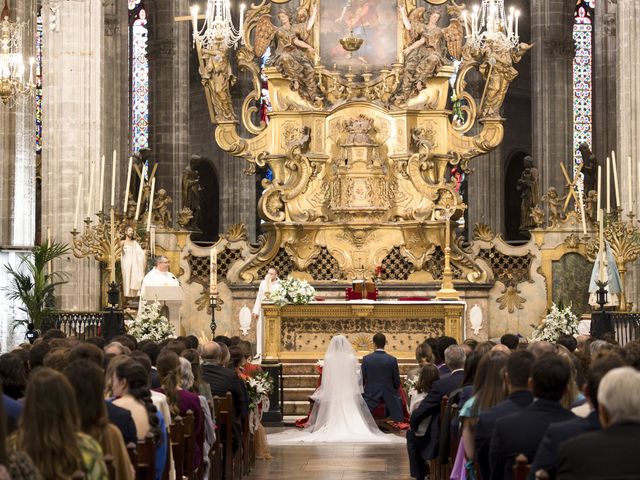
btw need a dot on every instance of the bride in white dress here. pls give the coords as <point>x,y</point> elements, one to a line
<point>339,413</point>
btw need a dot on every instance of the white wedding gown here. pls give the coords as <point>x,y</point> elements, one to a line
<point>339,414</point>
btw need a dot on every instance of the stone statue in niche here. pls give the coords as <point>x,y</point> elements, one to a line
<point>589,168</point>
<point>161,212</point>
<point>529,188</point>
<point>590,205</point>
<point>191,189</point>
<point>292,52</point>
<point>554,202</point>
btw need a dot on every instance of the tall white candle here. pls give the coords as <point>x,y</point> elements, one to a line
<point>100,196</point>
<point>517,18</point>
<point>601,248</point>
<point>213,271</point>
<point>466,25</point>
<point>615,178</point>
<point>150,211</point>
<point>599,190</point>
<point>78,196</point>
<point>91,180</point>
<point>608,185</point>
<point>126,192</point>
<point>113,180</point>
<point>194,17</point>
<point>630,204</point>
<point>241,29</point>
<point>584,220</point>
<point>142,177</point>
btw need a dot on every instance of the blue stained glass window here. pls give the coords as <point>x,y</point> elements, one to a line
<point>139,74</point>
<point>582,78</point>
<point>38,80</point>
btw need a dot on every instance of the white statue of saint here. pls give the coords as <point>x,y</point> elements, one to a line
<point>266,286</point>
<point>132,264</point>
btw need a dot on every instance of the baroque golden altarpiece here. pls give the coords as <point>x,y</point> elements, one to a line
<point>363,132</point>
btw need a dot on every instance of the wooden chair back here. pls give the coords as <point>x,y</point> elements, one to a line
<point>146,459</point>
<point>246,449</point>
<point>133,453</point>
<point>224,442</point>
<point>189,428</point>
<point>111,469</point>
<point>176,440</point>
<point>521,468</point>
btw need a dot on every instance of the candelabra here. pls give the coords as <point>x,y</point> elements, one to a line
<point>214,305</point>
<point>490,24</point>
<point>12,68</point>
<point>447,290</point>
<point>102,242</point>
<point>218,25</point>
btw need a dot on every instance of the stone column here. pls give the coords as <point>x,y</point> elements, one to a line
<point>551,31</point>
<point>73,108</point>
<point>628,101</point>
<point>17,152</point>
<point>168,52</point>
<point>486,192</point>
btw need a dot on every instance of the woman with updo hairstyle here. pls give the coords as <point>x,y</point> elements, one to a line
<point>199,386</point>
<point>180,400</point>
<point>49,430</point>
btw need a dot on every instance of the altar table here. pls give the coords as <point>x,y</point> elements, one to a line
<point>304,331</point>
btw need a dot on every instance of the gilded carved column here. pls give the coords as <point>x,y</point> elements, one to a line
<point>552,57</point>
<point>628,102</point>
<point>73,108</point>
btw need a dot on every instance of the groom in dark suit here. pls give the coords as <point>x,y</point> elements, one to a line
<point>381,380</point>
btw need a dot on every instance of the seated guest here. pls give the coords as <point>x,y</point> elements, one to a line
<point>13,375</point>
<point>428,374</point>
<point>550,376</point>
<point>444,343</point>
<point>87,380</point>
<point>50,430</point>
<point>516,381</point>
<point>152,350</point>
<point>632,353</point>
<point>381,380</point>
<point>180,400</point>
<point>510,341</point>
<point>614,451</point>
<point>424,355</point>
<point>568,341</point>
<point>488,391</point>
<point>454,357</point>
<point>558,433</point>
<point>37,354</point>
<point>14,465</point>
<point>541,347</point>
<point>116,348</point>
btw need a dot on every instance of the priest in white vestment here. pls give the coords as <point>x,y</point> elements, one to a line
<point>266,286</point>
<point>160,276</point>
<point>132,262</point>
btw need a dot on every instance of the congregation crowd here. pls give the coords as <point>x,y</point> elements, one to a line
<point>572,409</point>
<point>68,405</point>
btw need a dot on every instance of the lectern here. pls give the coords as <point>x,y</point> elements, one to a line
<point>170,297</point>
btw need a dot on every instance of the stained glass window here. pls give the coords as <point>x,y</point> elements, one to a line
<point>139,74</point>
<point>582,77</point>
<point>38,66</point>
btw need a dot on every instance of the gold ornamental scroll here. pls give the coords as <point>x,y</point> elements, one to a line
<point>304,331</point>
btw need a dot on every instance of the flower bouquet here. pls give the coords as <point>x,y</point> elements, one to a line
<point>410,385</point>
<point>259,387</point>
<point>558,322</point>
<point>292,290</point>
<point>150,324</point>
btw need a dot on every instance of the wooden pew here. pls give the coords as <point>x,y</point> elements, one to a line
<point>146,459</point>
<point>176,440</point>
<point>246,449</point>
<point>188,469</point>
<point>222,464</point>
<point>111,471</point>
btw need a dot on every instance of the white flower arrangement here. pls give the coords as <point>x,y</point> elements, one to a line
<point>259,387</point>
<point>410,385</point>
<point>292,290</point>
<point>150,324</point>
<point>557,323</point>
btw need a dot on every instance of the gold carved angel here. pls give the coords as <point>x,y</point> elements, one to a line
<point>426,49</point>
<point>292,48</point>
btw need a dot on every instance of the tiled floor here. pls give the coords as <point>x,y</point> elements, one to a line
<point>334,462</point>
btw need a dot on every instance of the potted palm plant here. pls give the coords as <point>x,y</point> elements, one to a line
<point>33,285</point>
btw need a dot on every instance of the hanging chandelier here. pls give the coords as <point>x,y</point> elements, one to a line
<point>218,26</point>
<point>490,24</point>
<point>12,65</point>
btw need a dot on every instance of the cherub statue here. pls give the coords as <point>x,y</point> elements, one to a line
<point>554,203</point>
<point>590,205</point>
<point>291,56</point>
<point>528,187</point>
<point>161,213</point>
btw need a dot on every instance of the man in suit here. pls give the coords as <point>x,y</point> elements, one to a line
<point>454,357</point>
<point>381,380</point>
<point>222,380</point>
<point>516,381</point>
<point>613,452</point>
<point>443,343</point>
<point>558,433</point>
<point>521,432</point>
